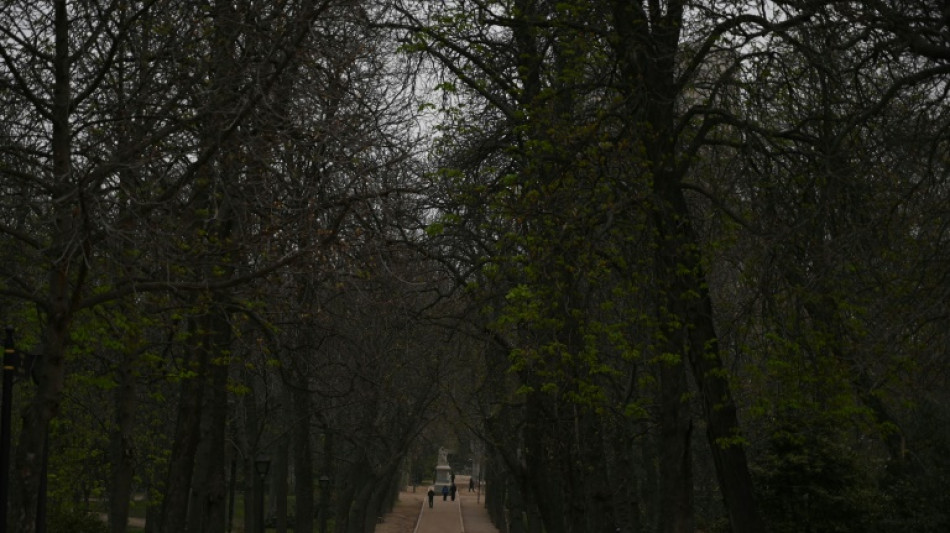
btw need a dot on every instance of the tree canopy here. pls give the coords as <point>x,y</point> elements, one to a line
<point>654,266</point>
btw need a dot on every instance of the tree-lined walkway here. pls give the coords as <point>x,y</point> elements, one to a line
<point>412,514</point>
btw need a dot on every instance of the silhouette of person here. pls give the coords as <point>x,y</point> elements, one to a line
<point>452,491</point>
<point>445,492</point>
<point>431,495</point>
<point>471,484</point>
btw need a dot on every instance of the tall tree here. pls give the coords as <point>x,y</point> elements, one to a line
<point>586,139</point>
<point>101,88</point>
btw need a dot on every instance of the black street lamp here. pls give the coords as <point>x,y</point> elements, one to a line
<point>324,483</point>
<point>231,488</point>
<point>261,466</point>
<point>11,360</point>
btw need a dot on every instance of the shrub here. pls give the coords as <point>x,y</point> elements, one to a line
<point>67,519</point>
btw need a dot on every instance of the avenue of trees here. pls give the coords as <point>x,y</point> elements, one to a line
<point>657,266</point>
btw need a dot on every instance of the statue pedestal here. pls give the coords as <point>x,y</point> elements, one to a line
<point>443,475</point>
<point>443,472</point>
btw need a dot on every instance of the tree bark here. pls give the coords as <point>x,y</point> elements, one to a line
<point>208,509</point>
<point>250,446</point>
<point>722,421</point>
<point>647,45</point>
<point>120,493</point>
<point>303,463</point>
<point>185,446</point>
<point>325,491</point>
<point>675,460</point>
<point>66,277</point>
<point>280,480</point>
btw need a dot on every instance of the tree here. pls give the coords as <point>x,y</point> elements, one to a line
<point>568,183</point>
<point>116,134</point>
<point>841,147</point>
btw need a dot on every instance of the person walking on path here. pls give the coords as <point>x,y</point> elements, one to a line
<point>452,491</point>
<point>467,513</point>
<point>445,492</point>
<point>471,484</point>
<point>431,495</point>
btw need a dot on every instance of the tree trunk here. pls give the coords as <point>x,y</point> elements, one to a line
<point>153,516</point>
<point>647,44</point>
<point>120,492</point>
<point>491,490</point>
<point>676,506</point>
<point>303,463</point>
<point>279,478</point>
<point>515,506</point>
<point>675,461</point>
<point>66,277</point>
<point>207,514</point>
<point>374,505</point>
<point>325,491</point>
<point>185,446</point>
<point>352,501</point>
<point>624,478</point>
<point>722,421</point>
<point>542,488</point>
<point>251,447</point>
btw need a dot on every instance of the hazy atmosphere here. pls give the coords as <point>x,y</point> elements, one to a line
<point>622,266</point>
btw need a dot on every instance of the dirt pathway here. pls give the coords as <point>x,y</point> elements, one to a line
<point>411,514</point>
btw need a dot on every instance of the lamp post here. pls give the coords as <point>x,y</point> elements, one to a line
<point>231,488</point>
<point>324,483</point>
<point>261,465</point>
<point>11,361</point>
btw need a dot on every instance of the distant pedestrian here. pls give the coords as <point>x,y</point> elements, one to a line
<point>471,484</point>
<point>445,492</point>
<point>452,491</point>
<point>431,495</point>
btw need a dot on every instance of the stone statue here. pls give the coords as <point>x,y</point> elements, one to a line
<point>443,456</point>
